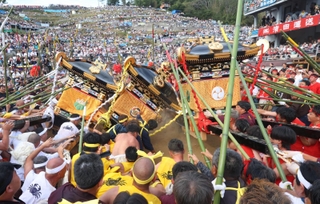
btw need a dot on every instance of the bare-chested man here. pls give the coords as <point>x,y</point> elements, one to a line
<point>125,140</point>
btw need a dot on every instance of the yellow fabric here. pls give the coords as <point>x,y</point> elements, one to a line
<point>151,157</point>
<point>112,129</point>
<point>164,171</point>
<point>73,100</point>
<point>111,180</point>
<point>155,183</point>
<point>152,199</point>
<point>7,115</point>
<point>127,166</point>
<point>106,165</point>
<point>91,145</point>
<point>205,88</point>
<point>73,161</point>
<point>25,114</point>
<point>240,191</point>
<point>95,201</point>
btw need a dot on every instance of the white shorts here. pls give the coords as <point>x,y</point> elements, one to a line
<point>118,158</point>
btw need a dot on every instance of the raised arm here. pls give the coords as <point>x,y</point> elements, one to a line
<point>6,129</point>
<point>267,113</point>
<point>28,165</point>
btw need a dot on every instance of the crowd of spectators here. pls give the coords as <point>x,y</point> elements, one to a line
<point>122,31</point>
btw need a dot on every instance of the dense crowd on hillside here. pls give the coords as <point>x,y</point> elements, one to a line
<point>121,165</point>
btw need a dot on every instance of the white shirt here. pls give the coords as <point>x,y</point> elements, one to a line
<point>28,180</point>
<point>39,189</point>
<point>20,171</point>
<point>66,129</point>
<point>13,137</point>
<point>48,112</point>
<point>294,200</point>
<point>297,79</point>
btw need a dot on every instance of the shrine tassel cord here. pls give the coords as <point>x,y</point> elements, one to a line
<point>258,118</point>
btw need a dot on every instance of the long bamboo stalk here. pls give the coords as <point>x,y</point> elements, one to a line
<point>289,85</point>
<point>215,116</point>
<point>82,129</point>
<point>313,63</point>
<point>225,129</point>
<point>184,110</point>
<point>193,121</point>
<point>20,95</point>
<point>263,130</point>
<point>44,97</point>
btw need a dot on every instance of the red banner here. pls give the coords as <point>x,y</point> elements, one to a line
<point>290,26</point>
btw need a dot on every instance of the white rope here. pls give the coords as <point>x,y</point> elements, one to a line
<point>96,110</point>
<point>55,77</point>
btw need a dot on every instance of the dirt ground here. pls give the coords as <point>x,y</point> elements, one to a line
<point>160,140</point>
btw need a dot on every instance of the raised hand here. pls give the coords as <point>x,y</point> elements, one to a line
<point>7,126</point>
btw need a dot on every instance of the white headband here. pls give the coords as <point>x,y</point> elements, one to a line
<point>57,169</point>
<point>302,180</point>
<point>43,131</point>
<point>73,119</point>
<point>40,165</point>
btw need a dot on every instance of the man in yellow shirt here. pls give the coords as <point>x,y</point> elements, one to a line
<point>143,174</point>
<point>164,168</point>
<point>91,145</point>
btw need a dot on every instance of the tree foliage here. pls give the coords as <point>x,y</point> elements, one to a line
<point>223,10</point>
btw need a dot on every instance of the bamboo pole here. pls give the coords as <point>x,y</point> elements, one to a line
<point>20,95</point>
<point>46,97</point>
<point>185,104</point>
<point>258,118</point>
<point>264,133</point>
<point>313,63</point>
<point>245,155</point>
<point>22,92</point>
<point>82,129</point>
<point>225,130</point>
<point>185,119</point>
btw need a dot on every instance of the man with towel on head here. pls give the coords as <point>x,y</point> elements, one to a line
<point>44,183</point>
<point>68,129</point>
<point>143,174</point>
